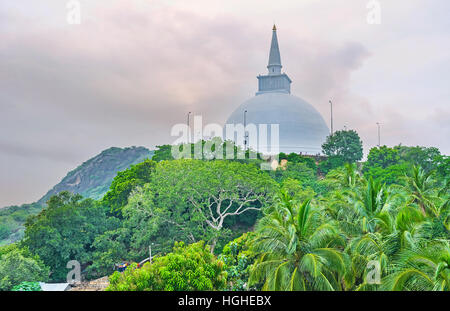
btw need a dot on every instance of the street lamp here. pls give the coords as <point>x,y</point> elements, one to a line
<point>189,129</point>
<point>245,133</point>
<point>150,251</point>
<point>331,109</point>
<point>379,140</point>
<point>150,257</point>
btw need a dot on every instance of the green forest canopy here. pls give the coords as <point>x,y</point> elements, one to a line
<point>222,224</point>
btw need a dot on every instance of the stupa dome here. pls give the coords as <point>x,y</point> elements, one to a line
<point>301,127</point>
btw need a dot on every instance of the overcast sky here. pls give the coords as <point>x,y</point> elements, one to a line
<point>132,69</point>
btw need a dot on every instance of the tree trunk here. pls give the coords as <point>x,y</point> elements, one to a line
<point>422,207</point>
<point>214,240</point>
<point>213,245</point>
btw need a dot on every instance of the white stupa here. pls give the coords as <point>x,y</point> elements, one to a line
<point>301,127</point>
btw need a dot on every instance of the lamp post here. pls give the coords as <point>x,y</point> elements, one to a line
<point>379,140</point>
<point>150,257</point>
<point>189,129</point>
<point>150,251</point>
<point>245,133</point>
<point>331,109</point>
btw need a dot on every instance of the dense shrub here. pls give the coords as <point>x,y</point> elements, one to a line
<point>187,268</point>
<point>19,265</point>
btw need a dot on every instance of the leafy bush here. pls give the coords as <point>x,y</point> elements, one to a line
<point>65,230</point>
<point>12,220</point>
<point>237,258</point>
<point>344,144</point>
<point>5,228</point>
<point>392,174</point>
<point>295,170</point>
<point>126,181</point>
<point>27,287</point>
<point>331,163</point>
<point>297,158</point>
<point>187,268</point>
<point>19,265</point>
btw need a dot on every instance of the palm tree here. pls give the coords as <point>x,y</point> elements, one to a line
<point>297,249</point>
<point>387,225</point>
<point>392,236</point>
<point>420,187</point>
<point>346,183</point>
<point>337,206</point>
<point>421,268</point>
<point>346,177</point>
<point>370,202</point>
<point>363,249</point>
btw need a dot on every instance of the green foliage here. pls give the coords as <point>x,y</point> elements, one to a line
<point>186,268</point>
<point>331,163</point>
<point>18,265</point>
<point>390,164</point>
<point>93,178</point>
<point>382,157</point>
<point>344,177</point>
<point>238,258</point>
<point>5,228</point>
<point>392,174</point>
<point>27,287</point>
<point>122,185</point>
<point>213,149</point>
<point>65,230</point>
<point>294,188</point>
<point>443,167</point>
<point>421,269</point>
<point>297,158</point>
<point>110,248</point>
<point>345,144</point>
<point>419,156</point>
<point>297,249</point>
<point>294,170</point>
<point>404,227</point>
<point>192,200</point>
<point>298,168</point>
<point>186,200</point>
<point>163,153</point>
<point>420,187</point>
<point>12,221</point>
<point>386,164</point>
<point>301,231</point>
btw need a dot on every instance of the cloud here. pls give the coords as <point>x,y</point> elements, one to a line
<point>133,69</point>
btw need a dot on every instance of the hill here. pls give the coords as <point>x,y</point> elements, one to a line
<point>91,179</point>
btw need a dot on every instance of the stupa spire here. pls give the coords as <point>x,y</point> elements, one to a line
<point>275,81</point>
<point>274,55</point>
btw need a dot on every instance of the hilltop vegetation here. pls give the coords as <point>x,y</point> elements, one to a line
<point>226,224</point>
<point>93,178</point>
<point>12,221</point>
